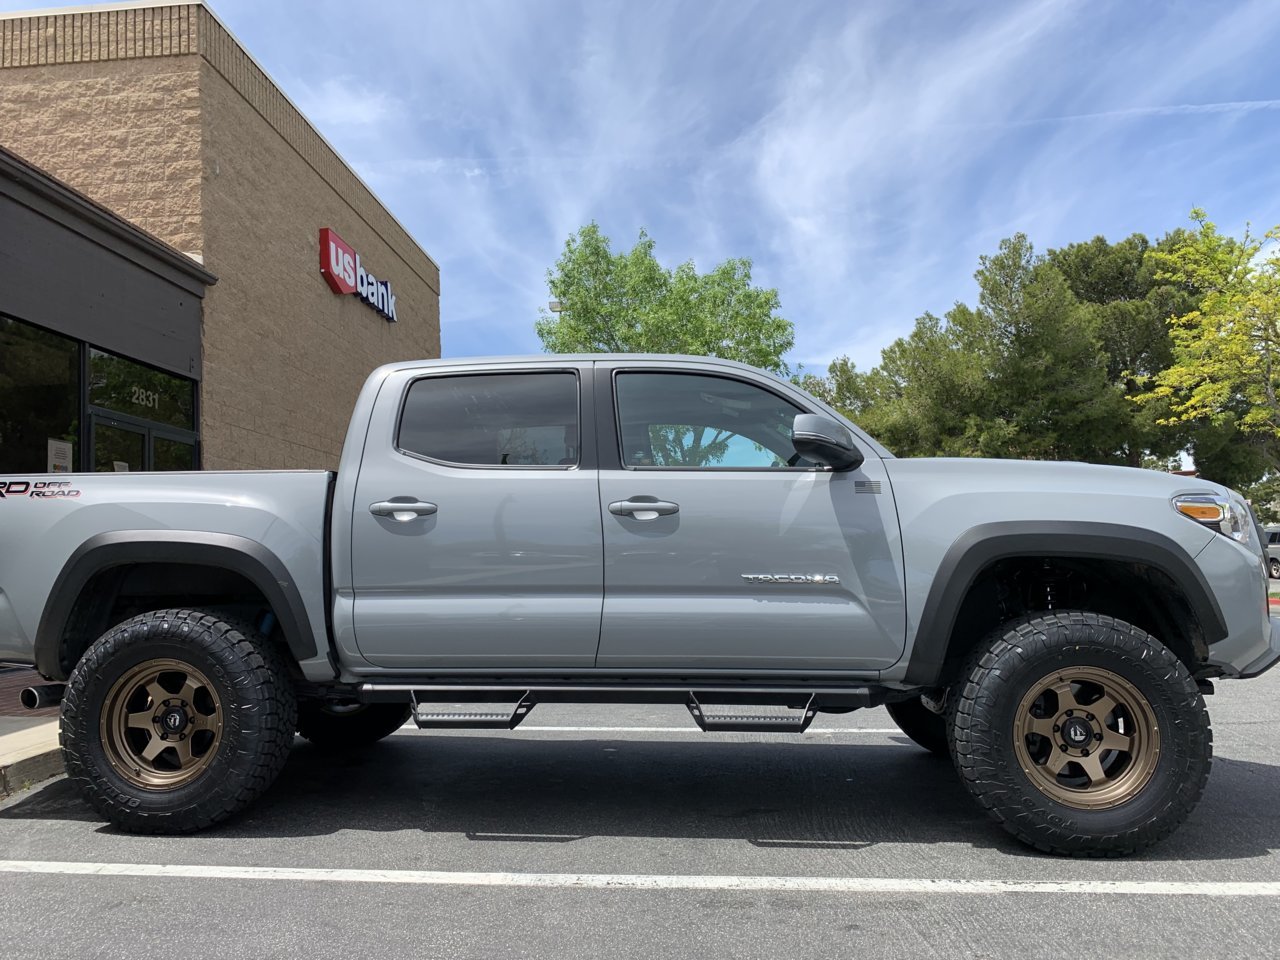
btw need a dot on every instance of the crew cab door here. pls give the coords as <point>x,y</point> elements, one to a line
<point>475,534</point>
<point>723,548</point>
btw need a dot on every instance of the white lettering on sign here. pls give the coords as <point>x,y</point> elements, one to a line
<point>341,268</point>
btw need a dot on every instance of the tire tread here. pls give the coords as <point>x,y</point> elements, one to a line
<point>254,666</point>
<point>990,676</point>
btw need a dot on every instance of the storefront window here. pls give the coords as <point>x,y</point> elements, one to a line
<point>173,454</point>
<point>118,449</point>
<point>130,388</point>
<point>39,399</point>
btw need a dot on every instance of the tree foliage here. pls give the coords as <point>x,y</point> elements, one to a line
<point>629,303</point>
<point>1130,352</point>
<point>1023,374</point>
<point>1049,362</point>
<point>1225,369</point>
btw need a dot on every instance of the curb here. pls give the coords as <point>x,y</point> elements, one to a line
<point>28,756</point>
<point>27,772</point>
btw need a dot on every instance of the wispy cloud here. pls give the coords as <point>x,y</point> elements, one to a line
<point>1138,113</point>
<point>343,102</point>
<point>863,155</point>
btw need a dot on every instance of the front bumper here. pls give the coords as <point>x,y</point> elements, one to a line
<point>1269,659</point>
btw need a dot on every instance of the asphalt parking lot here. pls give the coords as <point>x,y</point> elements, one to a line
<point>598,832</point>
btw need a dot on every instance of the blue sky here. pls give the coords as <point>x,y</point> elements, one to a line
<point>863,154</point>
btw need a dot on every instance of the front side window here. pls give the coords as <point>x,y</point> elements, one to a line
<point>692,420</point>
<point>493,419</point>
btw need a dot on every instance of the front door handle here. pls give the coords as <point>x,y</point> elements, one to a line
<point>643,509</point>
<point>402,510</point>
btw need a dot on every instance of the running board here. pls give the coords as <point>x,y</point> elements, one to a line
<point>798,722</point>
<point>449,703</point>
<point>428,719</point>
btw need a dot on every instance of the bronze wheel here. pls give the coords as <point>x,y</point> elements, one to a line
<point>1080,734</point>
<point>161,725</point>
<point>175,720</point>
<point>1086,738</point>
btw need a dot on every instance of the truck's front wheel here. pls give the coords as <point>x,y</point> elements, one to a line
<point>1081,735</point>
<point>175,720</point>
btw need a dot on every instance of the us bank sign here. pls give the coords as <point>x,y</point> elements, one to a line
<point>341,267</point>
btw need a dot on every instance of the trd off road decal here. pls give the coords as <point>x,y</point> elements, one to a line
<point>36,489</point>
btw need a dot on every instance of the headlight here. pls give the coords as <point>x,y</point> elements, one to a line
<point>1227,515</point>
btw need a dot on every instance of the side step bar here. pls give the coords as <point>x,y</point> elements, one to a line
<point>751,723</point>
<point>494,710</point>
<point>427,719</point>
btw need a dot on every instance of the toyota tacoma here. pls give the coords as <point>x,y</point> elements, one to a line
<point>502,533</point>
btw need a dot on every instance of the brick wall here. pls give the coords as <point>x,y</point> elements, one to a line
<point>159,114</point>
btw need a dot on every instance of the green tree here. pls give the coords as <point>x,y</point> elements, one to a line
<point>1118,284</point>
<point>1020,375</point>
<point>629,303</point>
<point>1226,349</point>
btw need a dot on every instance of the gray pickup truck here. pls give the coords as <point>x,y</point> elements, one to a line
<point>636,529</point>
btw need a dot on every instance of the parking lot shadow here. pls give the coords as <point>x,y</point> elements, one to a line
<point>797,793</point>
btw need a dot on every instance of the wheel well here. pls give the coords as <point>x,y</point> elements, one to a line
<point>1138,593</point>
<point>117,593</point>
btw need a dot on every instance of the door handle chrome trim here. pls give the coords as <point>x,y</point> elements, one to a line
<point>643,509</point>
<point>402,511</point>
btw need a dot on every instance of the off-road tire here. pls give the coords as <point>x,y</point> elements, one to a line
<point>336,729</point>
<point>256,696</point>
<point>983,709</point>
<point>921,724</point>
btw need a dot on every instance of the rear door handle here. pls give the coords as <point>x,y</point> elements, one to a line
<point>402,510</point>
<point>643,509</point>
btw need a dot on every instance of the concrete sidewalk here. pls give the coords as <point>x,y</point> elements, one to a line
<point>29,752</point>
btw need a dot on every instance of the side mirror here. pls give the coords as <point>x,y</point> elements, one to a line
<point>824,441</point>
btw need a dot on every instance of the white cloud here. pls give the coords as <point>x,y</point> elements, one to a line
<point>863,155</point>
<point>343,102</point>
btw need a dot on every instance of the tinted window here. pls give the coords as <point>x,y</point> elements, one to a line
<point>39,397</point>
<point>506,419</point>
<point>690,420</point>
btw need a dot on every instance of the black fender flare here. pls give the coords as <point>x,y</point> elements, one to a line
<point>986,543</point>
<point>121,548</point>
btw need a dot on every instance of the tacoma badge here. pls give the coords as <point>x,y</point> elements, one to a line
<point>790,578</point>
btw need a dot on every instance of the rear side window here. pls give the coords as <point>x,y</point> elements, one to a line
<point>493,419</point>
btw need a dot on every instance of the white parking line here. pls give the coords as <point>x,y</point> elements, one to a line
<point>527,728</point>
<point>631,881</point>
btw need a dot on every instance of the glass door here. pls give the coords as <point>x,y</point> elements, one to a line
<point>118,447</point>
<point>171,453</point>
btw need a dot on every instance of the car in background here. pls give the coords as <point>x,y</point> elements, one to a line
<point>1273,551</point>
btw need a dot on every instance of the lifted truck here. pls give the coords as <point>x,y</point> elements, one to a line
<point>636,529</point>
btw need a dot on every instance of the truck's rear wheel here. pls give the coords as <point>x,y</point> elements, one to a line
<point>175,720</point>
<point>1081,735</point>
<point>339,726</point>
<point>921,724</point>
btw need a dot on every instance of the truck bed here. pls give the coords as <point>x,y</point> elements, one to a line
<point>45,520</point>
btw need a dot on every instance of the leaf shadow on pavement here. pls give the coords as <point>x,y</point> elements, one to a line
<point>801,795</point>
